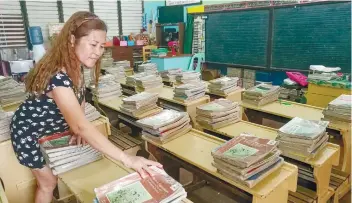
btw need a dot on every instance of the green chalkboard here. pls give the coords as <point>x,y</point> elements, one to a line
<point>237,37</point>
<point>318,34</point>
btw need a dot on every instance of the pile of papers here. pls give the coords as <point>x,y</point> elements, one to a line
<point>189,92</point>
<point>218,113</point>
<point>188,77</point>
<point>140,104</point>
<point>301,139</point>
<point>323,73</point>
<point>247,159</point>
<point>88,77</point>
<point>61,157</point>
<point>131,80</point>
<point>107,88</point>
<point>170,75</point>
<point>224,85</point>
<point>149,68</point>
<point>106,60</point>
<point>158,187</point>
<point>148,82</point>
<point>339,110</point>
<point>91,112</point>
<point>261,94</point>
<point>11,92</point>
<point>118,69</point>
<point>5,120</point>
<point>165,126</point>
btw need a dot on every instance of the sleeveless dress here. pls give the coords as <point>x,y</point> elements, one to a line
<point>38,117</point>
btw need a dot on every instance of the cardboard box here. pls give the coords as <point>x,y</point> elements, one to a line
<point>235,72</point>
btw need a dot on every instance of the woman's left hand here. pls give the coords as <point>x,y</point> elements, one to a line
<point>140,164</point>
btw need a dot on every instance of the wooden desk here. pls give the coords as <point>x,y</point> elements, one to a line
<point>166,100</point>
<point>3,198</point>
<point>321,164</point>
<point>19,182</point>
<point>193,151</point>
<point>289,110</point>
<point>82,181</point>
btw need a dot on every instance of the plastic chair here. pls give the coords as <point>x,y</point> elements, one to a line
<point>196,62</point>
<point>148,50</point>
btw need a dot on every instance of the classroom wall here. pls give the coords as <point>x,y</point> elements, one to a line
<point>151,7</point>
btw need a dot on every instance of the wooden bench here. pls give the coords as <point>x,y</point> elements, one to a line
<point>339,181</point>
<point>125,142</point>
<point>316,170</point>
<point>192,151</point>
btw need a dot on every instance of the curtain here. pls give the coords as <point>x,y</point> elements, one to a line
<point>187,45</point>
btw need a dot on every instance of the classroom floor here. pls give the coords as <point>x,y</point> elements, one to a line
<point>209,195</point>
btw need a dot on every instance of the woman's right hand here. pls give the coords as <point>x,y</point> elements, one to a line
<point>139,164</point>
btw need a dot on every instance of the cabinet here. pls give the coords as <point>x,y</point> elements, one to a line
<point>321,96</point>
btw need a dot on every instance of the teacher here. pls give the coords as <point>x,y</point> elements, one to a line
<point>56,102</point>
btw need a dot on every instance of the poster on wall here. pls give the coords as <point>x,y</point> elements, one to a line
<point>181,2</point>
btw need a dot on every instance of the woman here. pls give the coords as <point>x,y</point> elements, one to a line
<point>56,101</point>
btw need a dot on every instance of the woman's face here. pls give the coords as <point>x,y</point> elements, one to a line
<point>90,48</point>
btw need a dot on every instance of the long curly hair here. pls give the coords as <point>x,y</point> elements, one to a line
<point>62,54</point>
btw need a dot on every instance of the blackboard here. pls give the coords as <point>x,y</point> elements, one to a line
<point>237,37</point>
<point>318,34</point>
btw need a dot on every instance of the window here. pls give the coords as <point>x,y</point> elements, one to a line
<point>107,11</point>
<point>12,31</point>
<point>41,13</point>
<point>131,12</point>
<point>70,7</point>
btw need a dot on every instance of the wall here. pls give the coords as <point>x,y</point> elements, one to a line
<point>151,7</point>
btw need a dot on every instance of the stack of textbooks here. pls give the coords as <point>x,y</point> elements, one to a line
<point>339,110</point>
<point>247,159</point>
<point>218,113</point>
<point>165,126</point>
<point>11,92</point>
<point>106,59</point>
<point>302,139</point>
<point>88,79</point>
<point>61,157</point>
<point>224,85</point>
<point>149,68</point>
<point>157,187</point>
<point>261,94</point>
<point>131,80</point>
<point>188,77</point>
<point>107,88</point>
<point>170,75</point>
<point>189,92</point>
<point>148,82</point>
<point>91,112</point>
<point>143,103</point>
<point>5,120</point>
<point>118,69</point>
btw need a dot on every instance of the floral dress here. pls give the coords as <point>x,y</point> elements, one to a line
<point>37,117</point>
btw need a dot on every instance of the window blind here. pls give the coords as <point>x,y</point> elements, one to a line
<point>69,7</point>
<point>131,14</point>
<point>107,11</point>
<point>41,13</point>
<point>12,31</point>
